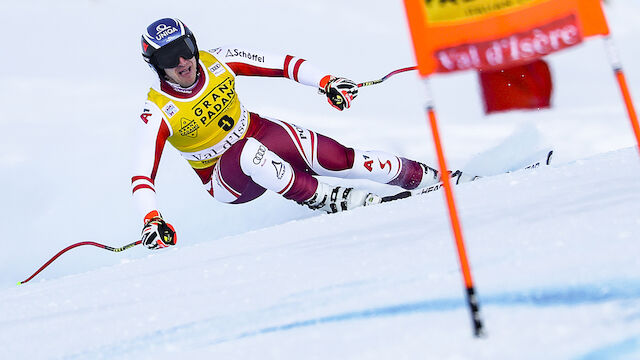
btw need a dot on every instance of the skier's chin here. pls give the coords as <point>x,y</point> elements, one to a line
<point>186,77</point>
<point>186,72</point>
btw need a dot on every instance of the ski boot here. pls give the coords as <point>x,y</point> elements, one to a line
<point>333,199</point>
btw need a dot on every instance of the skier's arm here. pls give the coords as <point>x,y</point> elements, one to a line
<point>152,132</point>
<point>340,91</point>
<point>251,62</point>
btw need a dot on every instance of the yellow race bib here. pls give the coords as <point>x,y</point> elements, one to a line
<point>207,124</point>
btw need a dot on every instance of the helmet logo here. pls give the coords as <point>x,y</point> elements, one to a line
<point>162,31</point>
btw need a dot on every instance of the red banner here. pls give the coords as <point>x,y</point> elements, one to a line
<point>520,87</point>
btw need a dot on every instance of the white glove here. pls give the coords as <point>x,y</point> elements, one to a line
<point>340,91</point>
<point>156,233</point>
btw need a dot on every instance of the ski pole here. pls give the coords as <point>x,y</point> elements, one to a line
<point>373,82</point>
<point>128,246</point>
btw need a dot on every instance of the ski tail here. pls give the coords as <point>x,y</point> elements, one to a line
<point>537,160</point>
<point>540,158</point>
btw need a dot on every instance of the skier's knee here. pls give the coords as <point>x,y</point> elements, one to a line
<point>252,156</point>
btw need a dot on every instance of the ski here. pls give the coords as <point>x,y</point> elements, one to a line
<point>543,159</point>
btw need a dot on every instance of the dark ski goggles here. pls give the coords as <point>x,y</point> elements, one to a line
<point>169,56</point>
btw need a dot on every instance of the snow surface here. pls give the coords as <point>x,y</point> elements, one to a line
<point>554,251</point>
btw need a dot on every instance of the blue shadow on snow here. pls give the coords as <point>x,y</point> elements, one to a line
<point>565,296</point>
<point>576,295</point>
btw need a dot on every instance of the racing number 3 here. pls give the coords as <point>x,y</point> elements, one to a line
<point>226,123</point>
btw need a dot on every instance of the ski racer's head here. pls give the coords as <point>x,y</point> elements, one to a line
<point>170,48</point>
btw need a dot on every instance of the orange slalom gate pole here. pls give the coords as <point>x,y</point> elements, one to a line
<point>629,104</point>
<point>472,300</point>
<point>622,83</point>
<point>624,89</point>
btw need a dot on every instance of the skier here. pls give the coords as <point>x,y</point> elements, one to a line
<point>239,154</point>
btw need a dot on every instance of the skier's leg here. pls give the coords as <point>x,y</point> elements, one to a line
<point>387,168</point>
<point>247,169</point>
<point>249,166</point>
<point>270,171</point>
<point>319,154</point>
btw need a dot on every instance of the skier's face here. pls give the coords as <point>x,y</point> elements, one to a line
<point>185,73</point>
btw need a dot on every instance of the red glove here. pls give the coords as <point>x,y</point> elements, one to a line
<point>340,91</point>
<point>157,234</point>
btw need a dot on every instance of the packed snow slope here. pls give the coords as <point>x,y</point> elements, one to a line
<point>553,251</point>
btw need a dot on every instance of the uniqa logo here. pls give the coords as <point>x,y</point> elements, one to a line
<point>162,31</point>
